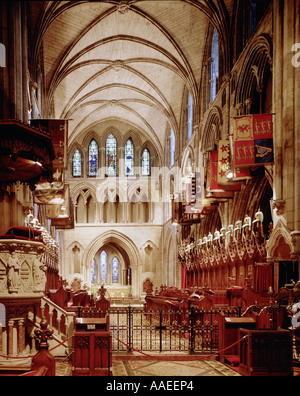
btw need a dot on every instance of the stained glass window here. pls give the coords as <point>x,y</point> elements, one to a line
<point>115,270</point>
<point>172,148</point>
<point>146,163</point>
<point>214,67</point>
<point>111,155</point>
<point>93,158</point>
<point>103,266</point>
<point>190,116</point>
<point>93,271</point>
<point>77,164</point>
<point>129,158</point>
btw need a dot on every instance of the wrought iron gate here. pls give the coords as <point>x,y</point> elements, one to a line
<point>180,331</point>
<point>163,331</point>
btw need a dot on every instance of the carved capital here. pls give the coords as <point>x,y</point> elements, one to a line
<point>279,206</point>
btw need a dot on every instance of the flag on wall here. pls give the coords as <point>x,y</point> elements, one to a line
<point>224,156</point>
<point>218,173</point>
<point>253,140</point>
<point>214,163</point>
<point>195,192</point>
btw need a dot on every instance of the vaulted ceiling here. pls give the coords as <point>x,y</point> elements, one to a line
<point>123,60</point>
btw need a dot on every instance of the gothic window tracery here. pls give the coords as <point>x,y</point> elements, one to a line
<point>146,163</point>
<point>172,148</point>
<point>111,155</point>
<point>93,271</point>
<point>93,158</point>
<point>115,270</point>
<point>214,67</point>
<point>103,267</point>
<point>129,158</point>
<point>76,162</point>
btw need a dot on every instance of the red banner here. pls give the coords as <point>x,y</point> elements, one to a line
<point>253,140</point>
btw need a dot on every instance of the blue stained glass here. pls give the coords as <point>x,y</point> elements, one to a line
<point>129,158</point>
<point>77,163</point>
<point>172,148</point>
<point>115,270</point>
<point>103,267</point>
<point>146,163</point>
<point>214,68</point>
<point>93,272</point>
<point>111,156</point>
<point>93,158</point>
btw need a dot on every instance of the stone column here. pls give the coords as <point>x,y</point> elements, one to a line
<point>286,108</point>
<point>10,338</point>
<point>21,336</point>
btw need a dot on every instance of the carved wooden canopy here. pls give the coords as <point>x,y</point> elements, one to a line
<point>25,152</point>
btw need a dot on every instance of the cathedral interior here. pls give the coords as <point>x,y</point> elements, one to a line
<point>149,186</point>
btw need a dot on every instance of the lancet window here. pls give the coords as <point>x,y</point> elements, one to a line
<point>146,163</point>
<point>115,270</point>
<point>76,162</point>
<point>214,67</point>
<point>129,158</point>
<point>103,267</point>
<point>111,155</point>
<point>172,148</point>
<point>93,158</point>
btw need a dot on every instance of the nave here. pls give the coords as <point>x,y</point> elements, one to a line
<point>149,185</point>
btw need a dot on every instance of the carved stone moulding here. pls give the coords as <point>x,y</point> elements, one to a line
<point>279,206</point>
<point>22,270</point>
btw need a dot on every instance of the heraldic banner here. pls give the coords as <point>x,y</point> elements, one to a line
<point>253,140</point>
<point>224,163</point>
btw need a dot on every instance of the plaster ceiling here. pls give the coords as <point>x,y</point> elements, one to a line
<point>121,60</point>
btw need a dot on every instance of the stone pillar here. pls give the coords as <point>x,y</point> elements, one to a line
<point>286,95</point>
<point>21,336</point>
<point>10,338</point>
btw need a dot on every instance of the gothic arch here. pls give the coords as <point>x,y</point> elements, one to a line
<point>257,62</point>
<point>89,136</point>
<point>80,188</point>
<point>280,244</point>
<point>124,243</point>
<point>144,189</point>
<point>136,139</point>
<point>212,129</point>
<point>110,185</point>
<point>188,160</point>
<point>75,254</point>
<point>114,131</point>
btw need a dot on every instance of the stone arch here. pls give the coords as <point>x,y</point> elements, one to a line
<point>256,64</point>
<point>75,254</point>
<point>280,244</point>
<point>212,129</point>
<point>124,243</point>
<point>110,184</point>
<point>188,161</point>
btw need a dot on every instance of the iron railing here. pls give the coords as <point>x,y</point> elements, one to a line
<point>134,329</point>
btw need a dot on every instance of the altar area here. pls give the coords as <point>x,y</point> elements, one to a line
<point>121,295</point>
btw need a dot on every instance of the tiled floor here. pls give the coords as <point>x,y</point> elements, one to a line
<point>140,366</point>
